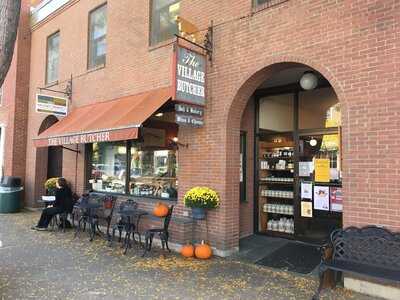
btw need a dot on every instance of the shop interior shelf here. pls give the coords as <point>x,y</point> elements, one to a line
<point>275,213</point>
<point>279,170</point>
<point>277,182</point>
<point>279,234</point>
<point>280,157</point>
<point>274,197</point>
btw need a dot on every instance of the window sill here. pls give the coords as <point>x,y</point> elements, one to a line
<point>51,84</point>
<point>140,198</point>
<point>267,5</point>
<point>162,44</point>
<point>94,69</point>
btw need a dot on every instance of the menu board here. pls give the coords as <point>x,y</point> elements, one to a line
<point>322,170</point>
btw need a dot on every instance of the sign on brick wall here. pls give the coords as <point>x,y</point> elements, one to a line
<point>189,87</point>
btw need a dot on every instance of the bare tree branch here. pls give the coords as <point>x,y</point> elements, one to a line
<point>9,18</point>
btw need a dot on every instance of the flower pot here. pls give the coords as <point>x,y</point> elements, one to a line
<point>198,213</point>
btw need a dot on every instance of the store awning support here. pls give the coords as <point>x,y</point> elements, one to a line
<point>69,149</point>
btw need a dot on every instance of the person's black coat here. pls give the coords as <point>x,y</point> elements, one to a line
<point>64,199</point>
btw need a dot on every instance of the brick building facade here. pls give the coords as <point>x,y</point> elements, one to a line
<point>14,102</point>
<point>352,44</point>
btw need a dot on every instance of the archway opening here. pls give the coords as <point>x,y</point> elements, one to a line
<point>290,149</point>
<point>48,159</point>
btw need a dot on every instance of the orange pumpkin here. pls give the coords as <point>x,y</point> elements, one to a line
<point>160,210</point>
<point>203,251</point>
<point>187,250</point>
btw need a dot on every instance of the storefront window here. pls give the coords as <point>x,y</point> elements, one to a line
<point>319,109</point>
<point>148,171</point>
<point>163,20</point>
<point>153,173</point>
<point>276,113</point>
<point>109,161</point>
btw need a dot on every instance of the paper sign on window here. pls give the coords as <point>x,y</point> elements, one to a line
<point>321,197</point>
<point>322,170</point>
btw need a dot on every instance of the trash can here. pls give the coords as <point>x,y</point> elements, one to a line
<point>10,194</point>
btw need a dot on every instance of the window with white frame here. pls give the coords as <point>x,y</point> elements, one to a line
<point>97,37</point>
<point>163,20</point>
<point>53,57</point>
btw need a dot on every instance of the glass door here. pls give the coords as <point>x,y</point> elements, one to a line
<point>320,185</point>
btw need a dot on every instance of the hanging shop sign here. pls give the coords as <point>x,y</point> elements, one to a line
<point>189,120</point>
<point>189,115</point>
<point>51,105</point>
<point>189,76</point>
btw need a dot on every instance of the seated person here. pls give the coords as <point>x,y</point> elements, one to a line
<point>63,203</point>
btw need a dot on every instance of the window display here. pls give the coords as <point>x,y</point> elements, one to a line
<point>108,167</point>
<point>130,167</point>
<point>299,164</point>
<point>153,173</point>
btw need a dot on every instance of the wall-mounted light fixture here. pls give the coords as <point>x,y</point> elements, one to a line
<point>175,142</point>
<point>309,81</point>
<point>159,115</point>
<point>313,142</point>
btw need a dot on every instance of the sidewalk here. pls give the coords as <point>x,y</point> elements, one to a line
<point>53,265</point>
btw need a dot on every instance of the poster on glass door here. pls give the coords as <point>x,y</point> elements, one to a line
<point>321,197</point>
<point>336,199</point>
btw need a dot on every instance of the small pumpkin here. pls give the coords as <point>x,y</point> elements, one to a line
<point>203,251</point>
<point>160,210</point>
<point>187,250</point>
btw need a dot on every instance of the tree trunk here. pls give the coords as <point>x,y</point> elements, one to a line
<point>9,17</point>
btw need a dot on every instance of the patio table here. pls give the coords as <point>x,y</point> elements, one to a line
<point>87,209</point>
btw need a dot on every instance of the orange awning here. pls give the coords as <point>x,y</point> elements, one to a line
<point>113,120</point>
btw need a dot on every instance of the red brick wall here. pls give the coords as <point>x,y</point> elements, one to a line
<point>354,44</point>
<point>247,208</point>
<point>13,109</point>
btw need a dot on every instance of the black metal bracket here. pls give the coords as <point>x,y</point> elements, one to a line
<point>208,41</point>
<point>67,91</point>
<point>69,149</point>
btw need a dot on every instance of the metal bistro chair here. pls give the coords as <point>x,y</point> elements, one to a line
<point>105,213</point>
<point>102,214</point>
<point>163,233</point>
<point>124,223</point>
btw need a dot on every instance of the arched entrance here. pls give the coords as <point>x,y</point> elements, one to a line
<point>289,140</point>
<point>49,159</point>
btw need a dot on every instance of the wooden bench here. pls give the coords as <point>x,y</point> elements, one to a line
<point>369,251</point>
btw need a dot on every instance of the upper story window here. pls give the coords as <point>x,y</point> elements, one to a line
<point>53,57</point>
<point>260,2</point>
<point>266,3</point>
<point>163,16</point>
<point>97,37</point>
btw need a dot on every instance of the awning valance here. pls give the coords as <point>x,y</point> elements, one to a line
<point>113,120</point>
